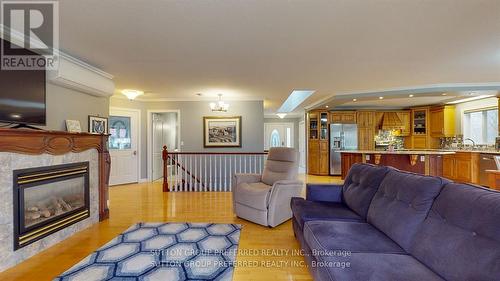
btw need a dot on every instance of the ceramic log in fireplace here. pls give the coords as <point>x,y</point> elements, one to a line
<point>48,199</point>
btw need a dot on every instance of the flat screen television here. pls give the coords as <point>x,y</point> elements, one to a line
<point>22,95</point>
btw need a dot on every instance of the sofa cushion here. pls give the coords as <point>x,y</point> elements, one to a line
<point>401,204</point>
<point>327,237</point>
<point>360,185</point>
<point>281,164</point>
<point>460,239</point>
<point>373,267</point>
<point>255,195</point>
<point>304,210</point>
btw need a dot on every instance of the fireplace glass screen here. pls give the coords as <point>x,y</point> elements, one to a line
<point>49,200</point>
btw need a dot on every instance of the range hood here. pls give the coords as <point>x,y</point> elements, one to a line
<point>391,121</point>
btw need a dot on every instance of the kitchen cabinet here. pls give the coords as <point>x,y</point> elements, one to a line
<point>318,142</point>
<point>405,117</point>
<point>344,117</point>
<point>462,167</point>
<point>349,159</point>
<point>366,130</point>
<point>420,121</point>
<point>312,157</point>
<point>366,138</point>
<point>427,163</point>
<point>442,121</point>
<point>419,142</point>
<point>449,166</point>
<point>366,118</point>
<point>420,137</point>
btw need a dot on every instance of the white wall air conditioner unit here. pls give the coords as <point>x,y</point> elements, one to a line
<point>77,75</point>
<point>72,73</point>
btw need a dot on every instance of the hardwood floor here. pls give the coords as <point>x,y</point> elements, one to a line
<point>146,202</point>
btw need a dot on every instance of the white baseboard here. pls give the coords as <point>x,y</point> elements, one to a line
<point>143,180</point>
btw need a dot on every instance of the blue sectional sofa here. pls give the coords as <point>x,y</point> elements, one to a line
<point>386,224</point>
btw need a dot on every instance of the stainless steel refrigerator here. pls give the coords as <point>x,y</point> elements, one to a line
<point>342,137</point>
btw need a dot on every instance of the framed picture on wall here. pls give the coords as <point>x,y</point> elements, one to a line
<point>222,131</point>
<point>73,126</point>
<point>98,125</point>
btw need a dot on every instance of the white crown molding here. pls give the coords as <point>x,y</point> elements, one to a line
<point>207,99</point>
<point>84,65</point>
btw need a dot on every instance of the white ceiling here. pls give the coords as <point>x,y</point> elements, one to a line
<point>401,99</point>
<point>264,49</point>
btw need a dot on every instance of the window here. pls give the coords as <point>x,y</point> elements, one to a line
<point>481,125</point>
<point>119,129</point>
<point>275,139</point>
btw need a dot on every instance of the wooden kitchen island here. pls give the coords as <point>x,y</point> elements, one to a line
<point>417,161</point>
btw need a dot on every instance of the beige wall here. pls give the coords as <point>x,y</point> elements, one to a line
<point>64,103</point>
<point>191,119</point>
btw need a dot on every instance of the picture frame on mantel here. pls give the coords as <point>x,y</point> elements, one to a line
<point>98,125</point>
<point>73,126</point>
<point>221,131</point>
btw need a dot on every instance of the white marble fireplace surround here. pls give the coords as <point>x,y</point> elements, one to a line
<point>14,161</point>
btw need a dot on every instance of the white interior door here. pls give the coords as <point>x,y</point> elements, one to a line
<point>278,134</point>
<point>164,132</point>
<point>123,146</point>
<point>157,147</point>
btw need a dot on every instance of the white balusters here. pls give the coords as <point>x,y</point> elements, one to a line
<point>210,164</point>
<point>230,172</point>
<point>225,172</point>
<point>197,172</point>
<point>219,185</point>
<point>205,177</point>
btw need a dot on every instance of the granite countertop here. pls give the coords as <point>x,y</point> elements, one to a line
<point>473,151</point>
<point>422,151</point>
<point>402,152</point>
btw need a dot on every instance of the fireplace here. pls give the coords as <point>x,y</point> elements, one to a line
<point>48,199</point>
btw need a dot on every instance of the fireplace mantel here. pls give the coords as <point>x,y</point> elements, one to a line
<point>25,141</point>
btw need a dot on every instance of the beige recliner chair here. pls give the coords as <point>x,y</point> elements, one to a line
<point>265,199</point>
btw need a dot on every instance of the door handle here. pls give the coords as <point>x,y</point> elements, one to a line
<point>135,152</point>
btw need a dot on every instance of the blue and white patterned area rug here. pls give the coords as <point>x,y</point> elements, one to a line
<point>163,252</point>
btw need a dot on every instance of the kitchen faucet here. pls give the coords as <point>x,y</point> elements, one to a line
<point>473,142</point>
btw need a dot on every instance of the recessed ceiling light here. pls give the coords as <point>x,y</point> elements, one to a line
<point>354,99</point>
<point>411,96</point>
<point>380,98</point>
<point>326,106</point>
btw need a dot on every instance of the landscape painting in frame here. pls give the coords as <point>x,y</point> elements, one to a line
<point>222,131</point>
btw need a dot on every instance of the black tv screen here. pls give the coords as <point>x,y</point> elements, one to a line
<point>22,95</point>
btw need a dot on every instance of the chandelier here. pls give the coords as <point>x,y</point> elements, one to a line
<point>219,106</point>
